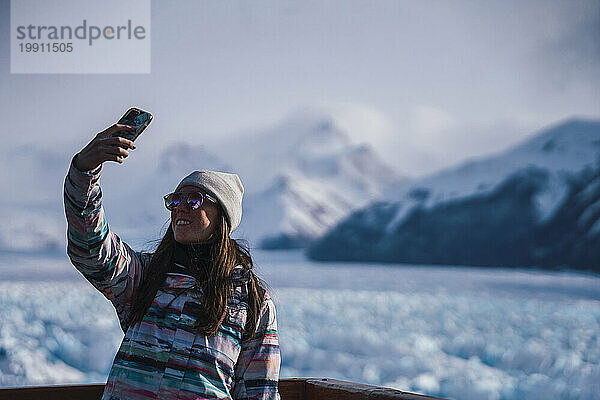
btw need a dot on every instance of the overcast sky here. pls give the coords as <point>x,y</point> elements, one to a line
<point>428,83</point>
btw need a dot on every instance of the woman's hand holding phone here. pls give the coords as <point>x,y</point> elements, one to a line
<point>105,147</point>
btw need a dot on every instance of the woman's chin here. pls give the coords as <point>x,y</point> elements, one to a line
<point>184,239</point>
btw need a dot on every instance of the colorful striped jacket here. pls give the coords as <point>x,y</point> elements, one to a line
<point>161,357</point>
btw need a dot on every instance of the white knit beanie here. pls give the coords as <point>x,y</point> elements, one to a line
<point>227,188</point>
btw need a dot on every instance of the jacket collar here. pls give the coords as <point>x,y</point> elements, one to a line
<point>195,258</point>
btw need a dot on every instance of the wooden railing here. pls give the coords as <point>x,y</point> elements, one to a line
<point>289,389</point>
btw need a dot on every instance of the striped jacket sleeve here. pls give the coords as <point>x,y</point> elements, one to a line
<point>107,262</point>
<point>257,367</point>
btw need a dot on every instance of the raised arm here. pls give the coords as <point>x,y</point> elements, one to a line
<point>100,255</point>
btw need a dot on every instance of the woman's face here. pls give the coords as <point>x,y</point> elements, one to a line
<point>203,220</point>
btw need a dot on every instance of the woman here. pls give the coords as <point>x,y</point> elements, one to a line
<point>198,323</point>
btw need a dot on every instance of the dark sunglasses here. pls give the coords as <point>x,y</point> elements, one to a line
<point>194,200</point>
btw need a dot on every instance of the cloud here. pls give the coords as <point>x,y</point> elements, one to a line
<point>363,123</point>
<point>564,57</point>
<point>426,83</point>
<point>428,121</point>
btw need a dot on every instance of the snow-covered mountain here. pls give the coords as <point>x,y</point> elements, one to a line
<point>562,149</point>
<point>572,236</point>
<point>293,211</point>
<point>490,211</point>
<point>304,176</point>
<point>301,177</point>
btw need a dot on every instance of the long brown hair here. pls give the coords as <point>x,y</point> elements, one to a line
<point>225,253</point>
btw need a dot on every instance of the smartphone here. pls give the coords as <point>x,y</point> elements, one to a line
<point>134,117</point>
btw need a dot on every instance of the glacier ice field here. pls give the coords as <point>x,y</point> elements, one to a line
<point>454,332</point>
